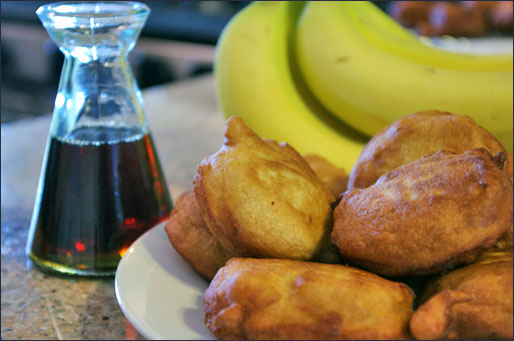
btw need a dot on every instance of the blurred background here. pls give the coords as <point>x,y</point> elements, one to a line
<point>178,42</point>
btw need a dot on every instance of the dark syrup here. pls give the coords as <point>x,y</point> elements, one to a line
<point>95,200</point>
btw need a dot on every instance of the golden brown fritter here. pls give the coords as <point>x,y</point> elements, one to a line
<point>261,199</point>
<point>472,302</point>
<point>417,135</point>
<point>509,166</point>
<point>192,239</point>
<point>425,217</point>
<point>410,13</point>
<point>506,240</point>
<point>252,299</point>
<point>501,16</point>
<point>333,178</point>
<point>448,18</point>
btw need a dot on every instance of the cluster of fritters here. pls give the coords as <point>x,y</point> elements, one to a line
<point>456,18</point>
<point>298,249</point>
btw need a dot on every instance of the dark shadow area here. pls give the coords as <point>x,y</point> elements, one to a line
<point>31,62</point>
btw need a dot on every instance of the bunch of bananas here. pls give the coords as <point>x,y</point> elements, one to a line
<point>323,76</point>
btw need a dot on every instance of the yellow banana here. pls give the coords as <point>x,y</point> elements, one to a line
<point>369,85</point>
<point>256,80</point>
<point>390,29</point>
<point>385,33</point>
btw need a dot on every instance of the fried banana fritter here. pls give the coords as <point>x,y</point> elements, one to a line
<point>472,302</point>
<point>252,299</point>
<point>261,199</point>
<point>506,240</point>
<point>192,239</point>
<point>333,178</point>
<point>417,135</point>
<point>425,217</point>
<point>509,166</point>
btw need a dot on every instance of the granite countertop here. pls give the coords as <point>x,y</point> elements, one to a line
<point>186,126</point>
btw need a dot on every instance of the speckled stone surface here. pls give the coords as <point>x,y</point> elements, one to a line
<point>185,125</point>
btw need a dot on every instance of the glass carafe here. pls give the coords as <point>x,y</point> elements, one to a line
<point>101,184</point>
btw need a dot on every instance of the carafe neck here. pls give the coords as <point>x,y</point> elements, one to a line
<point>94,30</point>
<point>97,89</point>
<point>97,92</point>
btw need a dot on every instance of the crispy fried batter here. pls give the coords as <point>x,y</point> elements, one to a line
<point>417,135</point>
<point>192,239</point>
<point>251,299</point>
<point>509,166</point>
<point>430,215</point>
<point>473,302</point>
<point>261,199</point>
<point>506,240</point>
<point>333,178</point>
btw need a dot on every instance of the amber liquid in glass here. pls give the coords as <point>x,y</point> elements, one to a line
<point>103,195</point>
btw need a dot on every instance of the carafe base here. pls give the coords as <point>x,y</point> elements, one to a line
<point>67,271</point>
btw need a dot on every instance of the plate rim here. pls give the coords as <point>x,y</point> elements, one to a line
<point>134,321</point>
<point>152,249</point>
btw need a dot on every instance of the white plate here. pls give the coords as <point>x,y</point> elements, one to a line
<point>158,291</point>
<point>485,45</point>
